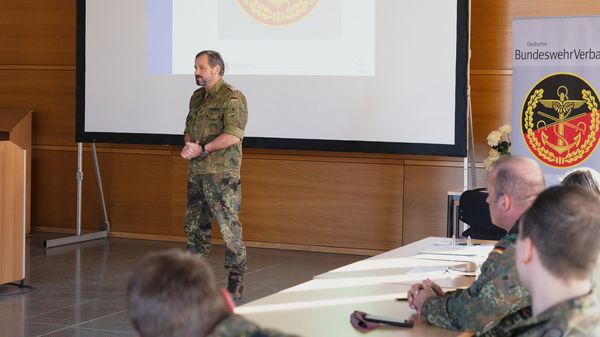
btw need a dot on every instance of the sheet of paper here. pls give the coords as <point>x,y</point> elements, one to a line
<point>476,250</point>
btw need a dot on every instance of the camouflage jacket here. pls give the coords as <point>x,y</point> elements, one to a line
<point>221,110</point>
<point>496,293</point>
<point>238,326</point>
<point>502,327</point>
<point>579,317</point>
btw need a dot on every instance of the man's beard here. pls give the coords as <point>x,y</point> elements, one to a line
<point>200,81</point>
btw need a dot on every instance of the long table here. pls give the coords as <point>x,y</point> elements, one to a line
<point>322,306</point>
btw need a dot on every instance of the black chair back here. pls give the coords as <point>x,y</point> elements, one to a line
<point>475,211</point>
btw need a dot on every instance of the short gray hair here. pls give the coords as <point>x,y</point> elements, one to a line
<point>515,180</point>
<point>214,59</point>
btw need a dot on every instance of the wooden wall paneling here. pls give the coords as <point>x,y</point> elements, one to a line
<point>137,190</point>
<point>425,194</point>
<point>179,195</point>
<point>491,97</point>
<point>490,24</point>
<point>53,189</point>
<point>54,192</point>
<point>322,203</point>
<point>36,32</point>
<point>51,94</point>
<point>426,189</point>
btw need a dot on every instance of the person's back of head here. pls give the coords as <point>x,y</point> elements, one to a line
<point>584,177</point>
<point>519,177</point>
<point>174,294</point>
<point>563,225</point>
<point>513,184</point>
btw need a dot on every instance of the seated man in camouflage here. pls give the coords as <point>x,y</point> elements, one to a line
<point>512,184</point>
<point>585,178</point>
<point>556,252</point>
<point>174,294</point>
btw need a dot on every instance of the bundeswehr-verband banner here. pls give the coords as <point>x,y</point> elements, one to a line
<point>556,82</point>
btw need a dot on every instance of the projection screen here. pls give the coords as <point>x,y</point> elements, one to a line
<point>336,75</point>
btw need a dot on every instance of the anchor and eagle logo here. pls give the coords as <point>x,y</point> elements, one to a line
<point>278,12</point>
<point>560,120</point>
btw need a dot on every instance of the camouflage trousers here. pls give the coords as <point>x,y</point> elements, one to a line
<point>216,196</point>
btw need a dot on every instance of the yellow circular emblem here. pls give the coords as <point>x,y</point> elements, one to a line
<point>560,120</point>
<point>278,12</point>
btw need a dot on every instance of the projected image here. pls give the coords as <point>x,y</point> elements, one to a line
<point>276,37</point>
<point>245,19</point>
<point>277,12</point>
<point>339,75</point>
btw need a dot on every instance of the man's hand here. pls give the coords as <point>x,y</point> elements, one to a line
<point>191,150</point>
<point>420,292</point>
<point>421,297</point>
<point>412,293</point>
<point>434,286</point>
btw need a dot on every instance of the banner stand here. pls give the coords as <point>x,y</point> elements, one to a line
<point>78,237</point>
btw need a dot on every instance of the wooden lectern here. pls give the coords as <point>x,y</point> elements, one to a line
<point>15,178</point>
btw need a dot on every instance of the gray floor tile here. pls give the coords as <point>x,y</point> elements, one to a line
<point>81,332</point>
<point>21,328</point>
<point>118,322</point>
<point>80,289</point>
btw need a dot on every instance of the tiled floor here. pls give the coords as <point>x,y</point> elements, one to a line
<point>79,289</point>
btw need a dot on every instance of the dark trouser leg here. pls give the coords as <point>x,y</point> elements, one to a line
<point>224,194</point>
<point>197,217</point>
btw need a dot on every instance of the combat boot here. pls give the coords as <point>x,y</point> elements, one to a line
<point>235,285</point>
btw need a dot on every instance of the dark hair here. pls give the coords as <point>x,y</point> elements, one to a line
<point>174,293</point>
<point>564,225</point>
<point>214,59</point>
<point>583,177</point>
<point>523,185</point>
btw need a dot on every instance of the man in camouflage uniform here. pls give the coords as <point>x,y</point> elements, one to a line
<point>513,183</point>
<point>214,131</point>
<point>584,178</point>
<point>174,293</point>
<point>556,253</point>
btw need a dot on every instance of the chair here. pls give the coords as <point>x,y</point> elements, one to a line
<point>475,212</point>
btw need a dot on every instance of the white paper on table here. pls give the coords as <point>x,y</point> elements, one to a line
<point>475,250</point>
<point>456,258</point>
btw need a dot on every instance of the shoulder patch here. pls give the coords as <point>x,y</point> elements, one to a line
<point>499,250</point>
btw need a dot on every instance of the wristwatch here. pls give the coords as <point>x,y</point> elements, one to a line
<point>203,153</point>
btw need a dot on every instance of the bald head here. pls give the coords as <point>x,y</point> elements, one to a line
<point>513,184</point>
<point>518,177</point>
